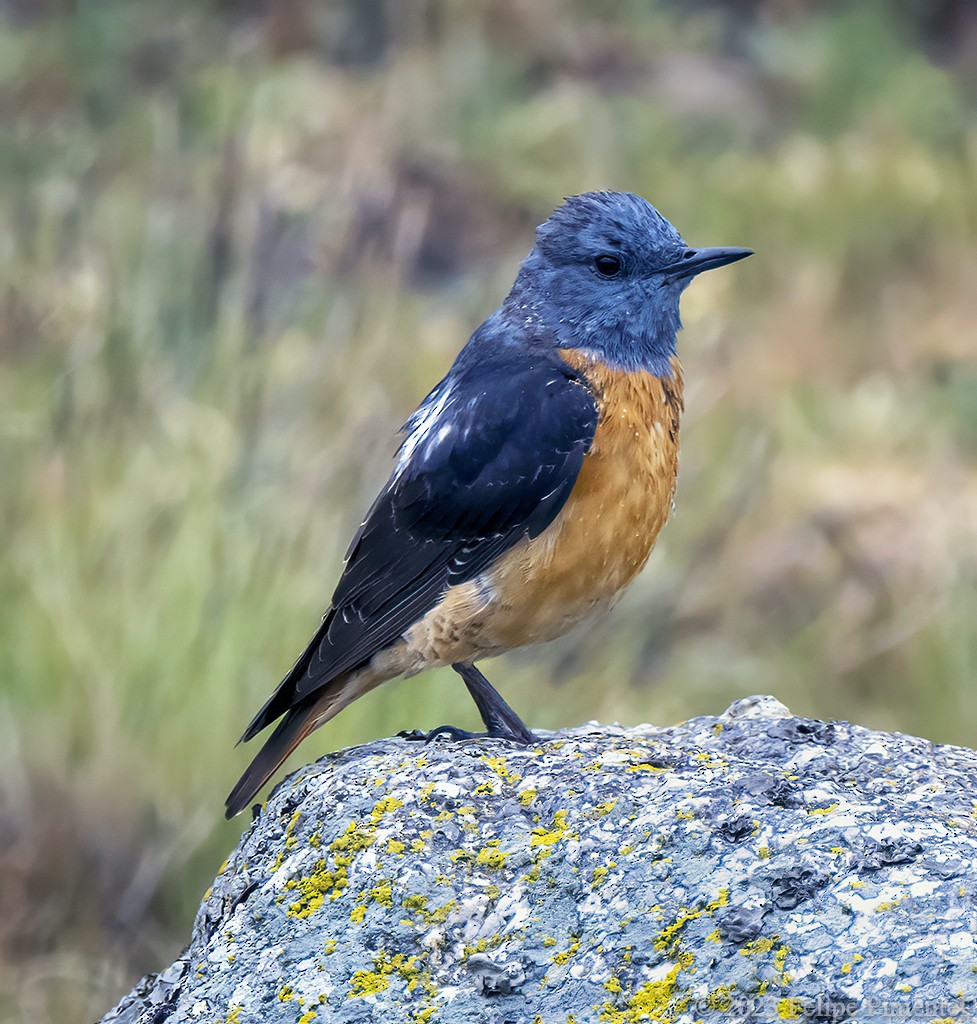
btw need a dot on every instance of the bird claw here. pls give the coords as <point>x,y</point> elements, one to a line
<point>451,731</point>
<point>456,734</point>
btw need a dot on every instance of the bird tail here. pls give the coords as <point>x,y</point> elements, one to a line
<point>290,732</point>
<point>298,722</point>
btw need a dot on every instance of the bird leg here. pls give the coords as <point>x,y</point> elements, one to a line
<point>501,722</point>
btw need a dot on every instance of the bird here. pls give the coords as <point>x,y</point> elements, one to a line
<point>530,484</point>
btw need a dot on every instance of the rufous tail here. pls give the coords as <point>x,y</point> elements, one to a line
<point>291,730</point>
<point>297,723</point>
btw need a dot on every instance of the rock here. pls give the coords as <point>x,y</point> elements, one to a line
<point>751,867</point>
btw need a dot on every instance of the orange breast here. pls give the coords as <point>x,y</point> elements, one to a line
<point>606,530</point>
<point>595,547</point>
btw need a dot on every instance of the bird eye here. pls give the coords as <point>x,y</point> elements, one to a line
<point>607,266</point>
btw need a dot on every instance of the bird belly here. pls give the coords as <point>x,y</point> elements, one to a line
<point>601,539</point>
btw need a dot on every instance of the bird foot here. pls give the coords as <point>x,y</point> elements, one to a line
<point>451,731</point>
<point>456,734</point>
<point>501,722</point>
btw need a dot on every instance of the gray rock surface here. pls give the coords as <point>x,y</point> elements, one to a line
<point>750,867</point>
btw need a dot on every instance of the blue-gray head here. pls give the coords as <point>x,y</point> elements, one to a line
<point>606,274</point>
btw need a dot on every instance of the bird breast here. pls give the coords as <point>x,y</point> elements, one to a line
<point>598,543</point>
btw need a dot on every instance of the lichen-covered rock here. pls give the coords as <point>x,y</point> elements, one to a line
<point>751,867</point>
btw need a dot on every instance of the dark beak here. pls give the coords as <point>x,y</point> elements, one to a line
<point>695,261</point>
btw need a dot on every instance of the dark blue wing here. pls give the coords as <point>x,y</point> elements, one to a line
<point>489,459</point>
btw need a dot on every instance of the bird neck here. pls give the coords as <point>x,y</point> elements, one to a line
<point>629,337</point>
<point>667,388</point>
<point>630,343</point>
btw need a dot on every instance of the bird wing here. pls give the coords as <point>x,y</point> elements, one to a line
<point>488,459</point>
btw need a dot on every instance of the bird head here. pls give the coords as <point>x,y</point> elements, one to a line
<point>606,275</point>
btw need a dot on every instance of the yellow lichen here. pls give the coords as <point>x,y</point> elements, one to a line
<point>307,1018</point>
<point>547,837</point>
<point>382,894</point>
<point>667,938</point>
<point>286,994</point>
<point>368,983</point>
<point>498,765</point>
<point>357,914</point>
<point>395,846</point>
<point>478,946</point>
<point>233,1014</point>
<point>790,1009</point>
<point>780,962</point>
<point>491,857</point>
<point>653,1001</point>
<point>314,888</point>
<point>527,796</point>
<point>564,957</point>
<point>290,840</point>
<point>355,838</point>
<point>721,998</point>
<point>708,760</point>
<point>440,915</point>
<point>384,806</point>
<point>757,946</point>
<point>823,810</point>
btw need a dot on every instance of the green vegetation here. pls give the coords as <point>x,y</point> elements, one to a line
<point>238,248</point>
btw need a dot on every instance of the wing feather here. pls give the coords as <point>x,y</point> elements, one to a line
<point>489,459</point>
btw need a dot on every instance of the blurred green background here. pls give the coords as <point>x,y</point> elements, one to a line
<point>241,239</point>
